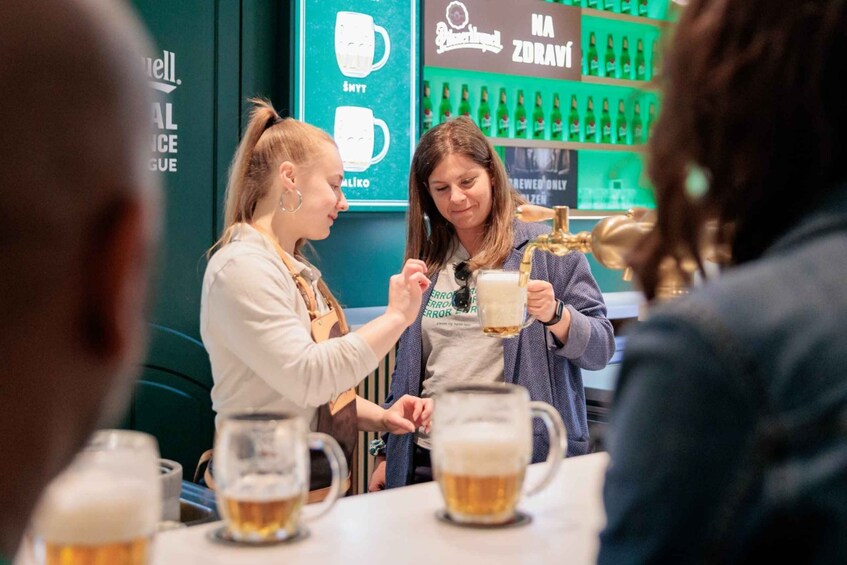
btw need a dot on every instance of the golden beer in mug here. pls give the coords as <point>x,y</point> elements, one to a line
<point>262,475</point>
<point>481,446</point>
<point>501,303</point>
<point>105,508</point>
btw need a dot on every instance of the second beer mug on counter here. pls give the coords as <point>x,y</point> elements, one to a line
<point>501,303</point>
<point>481,446</point>
<point>262,476</point>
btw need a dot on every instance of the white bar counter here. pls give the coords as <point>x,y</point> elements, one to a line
<point>399,526</point>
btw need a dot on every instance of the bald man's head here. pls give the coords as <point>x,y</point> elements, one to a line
<point>78,214</point>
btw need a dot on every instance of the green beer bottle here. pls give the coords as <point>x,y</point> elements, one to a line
<point>484,112</point>
<point>556,119</point>
<point>626,62</point>
<point>576,2</point>
<point>609,5</point>
<point>590,122</point>
<point>605,123</point>
<point>465,104</point>
<point>640,64</point>
<point>609,66</point>
<point>626,6</point>
<point>427,107</point>
<point>538,118</point>
<point>592,4</point>
<point>620,125</point>
<point>637,131</point>
<point>573,121</point>
<point>593,57</point>
<point>520,117</point>
<point>651,119</point>
<point>502,115</point>
<point>654,61</point>
<point>445,111</point>
<point>642,8</point>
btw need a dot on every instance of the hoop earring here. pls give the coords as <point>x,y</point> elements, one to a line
<point>291,210</point>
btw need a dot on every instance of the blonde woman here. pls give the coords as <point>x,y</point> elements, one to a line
<point>276,337</point>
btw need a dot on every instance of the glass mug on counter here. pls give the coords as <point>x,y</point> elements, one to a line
<point>481,446</point>
<point>501,303</point>
<point>105,507</point>
<point>262,475</point>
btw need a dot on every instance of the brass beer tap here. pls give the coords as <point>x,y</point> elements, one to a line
<point>610,240</point>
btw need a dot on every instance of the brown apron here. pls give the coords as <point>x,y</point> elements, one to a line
<point>338,418</point>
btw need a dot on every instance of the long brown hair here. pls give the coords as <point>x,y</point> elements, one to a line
<point>432,243</point>
<point>268,141</point>
<point>753,98</point>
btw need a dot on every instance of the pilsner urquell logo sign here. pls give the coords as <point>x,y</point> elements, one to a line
<point>502,36</point>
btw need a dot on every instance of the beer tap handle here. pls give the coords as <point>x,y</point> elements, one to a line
<point>533,213</point>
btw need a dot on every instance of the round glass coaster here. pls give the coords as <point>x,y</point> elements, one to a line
<point>518,520</point>
<point>223,535</point>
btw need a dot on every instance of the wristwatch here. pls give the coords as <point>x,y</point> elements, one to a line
<point>557,316</point>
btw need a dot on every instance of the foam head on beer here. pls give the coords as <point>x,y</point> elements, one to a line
<point>89,517</point>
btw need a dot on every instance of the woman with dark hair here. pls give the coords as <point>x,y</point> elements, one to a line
<point>728,435</point>
<point>461,219</point>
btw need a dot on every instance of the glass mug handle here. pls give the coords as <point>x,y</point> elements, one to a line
<point>338,468</point>
<point>558,442</point>
<point>529,320</point>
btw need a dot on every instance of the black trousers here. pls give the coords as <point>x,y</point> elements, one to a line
<point>422,466</point>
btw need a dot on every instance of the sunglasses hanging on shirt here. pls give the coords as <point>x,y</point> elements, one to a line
<point>462,296</point>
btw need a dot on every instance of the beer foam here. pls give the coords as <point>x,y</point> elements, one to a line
<point>481,450</point>
<point>94,508</point>
<point>264,487</point>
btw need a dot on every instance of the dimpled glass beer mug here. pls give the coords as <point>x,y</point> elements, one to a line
<point>353,132</point>
<point>501,303</point>
<point>262,475</point>
<point>355,44</point>
<point>105,507</point>
<point>481,446</point>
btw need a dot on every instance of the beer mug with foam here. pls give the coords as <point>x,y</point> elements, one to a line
<point>105,507</point>
<point>481,446</point>
<point>262,475</point>
<point>501,303</point>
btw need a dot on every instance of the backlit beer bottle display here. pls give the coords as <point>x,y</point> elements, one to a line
<point>626,62</point>
<point>538,118</point>
<point>502,115</point>
<point>484,112</point>
<point>620,125</point>
<point>593,57</point>
<point>590,122</point>
<point>556,119</point>
<point>465,104</point>
<point>605,123</point>
<point>445,111</point>
<point>610,68</point>
<point>427,107</point>
<point>520,117</point>
<point>640,64</point>
<point>637,131</point>
<point>626,6</point>
<point>573,121</point>
<point>642,8</point>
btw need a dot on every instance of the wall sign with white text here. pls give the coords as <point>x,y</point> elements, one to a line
<point>356,77</point>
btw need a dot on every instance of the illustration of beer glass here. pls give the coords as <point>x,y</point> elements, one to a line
<point>355,35</point>
<point>105,507</point>
<point>481,446</point>
<point>262,475</point>
<point>354,135</point>
<point>501,303</point>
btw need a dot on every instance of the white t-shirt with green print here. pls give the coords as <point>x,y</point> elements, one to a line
<point>455,351</point>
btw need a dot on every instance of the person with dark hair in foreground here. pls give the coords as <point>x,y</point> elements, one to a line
<point>728,438</point>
